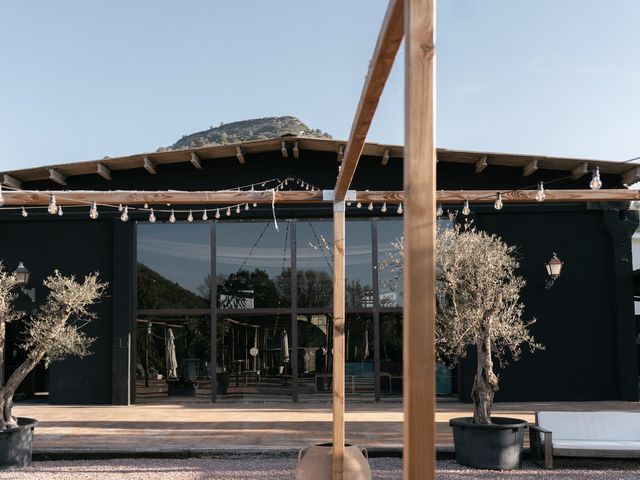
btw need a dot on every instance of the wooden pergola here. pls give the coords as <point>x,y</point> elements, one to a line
<point>413,20</point>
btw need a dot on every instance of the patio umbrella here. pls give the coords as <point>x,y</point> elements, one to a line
<point>284,346</point>
<point>170,355</point>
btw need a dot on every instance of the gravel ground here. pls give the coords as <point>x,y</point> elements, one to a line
<point>282,468</point>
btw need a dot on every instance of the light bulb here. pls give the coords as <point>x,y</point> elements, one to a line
<point>1,196</point>
<point>370,207</point>
<point>540,195</point>
<point>359,204</point>
<point>384,207</point>
<point>498,203</point>
<point>93,211</point>
<point>146,205</point>
<point>238,209</point>
<point>172,217</point>
<point>217,215</point>
<point>307,187</point>
<point>60,212</point>
<point>465,209</point>
<point>190,217</point>
<point>125,214</point>
<point>400,209</point>
<point>252,187</point>
<point>246,207</point>
<point>228,211</point>
<point>348,204</point>
<point>53,208</point>
<point>595,183</point>
<point>205,217</point>
<point>263,184</point>
<point>24,213</point>
<point>120,207</point>
<point>152,217</point>
<point>255,204</point>
<point>439,211</point>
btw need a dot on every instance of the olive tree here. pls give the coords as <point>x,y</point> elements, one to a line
<point>51,332</point>
<point>478,305</point>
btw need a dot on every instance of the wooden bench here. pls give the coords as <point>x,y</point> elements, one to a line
<point>585,434</point>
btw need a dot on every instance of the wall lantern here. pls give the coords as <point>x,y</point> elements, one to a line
<point>554,268</point>
<point>22,276</point>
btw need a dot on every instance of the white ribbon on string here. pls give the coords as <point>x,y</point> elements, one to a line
<point>273,209</point>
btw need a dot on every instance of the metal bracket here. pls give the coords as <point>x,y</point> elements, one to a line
<point>330,195</point>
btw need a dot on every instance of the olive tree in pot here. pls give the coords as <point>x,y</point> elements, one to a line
<point>51,332</point>
<point>478,305</point>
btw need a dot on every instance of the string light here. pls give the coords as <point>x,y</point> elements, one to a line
<point>205,217</point>
<point>359,204</point>
<point>152,217</point>
<point>498,203</point>
<point>190,217</point>
<point>228,211</point>
<point>595,183</point>
<point>246,207</point>
<point>1,196</point>
<point>60,212</point>
<point>370,207</point>
<point>255,204</point>
<point>24,213</point>
<point>238,209</point>
<point>540,195</point>
<point>384,207</point>
<point>465,209</point>
<point>120,207</point>
<point>217,215</point>
<point>400,209</point>
<point>93,211</point>
<point>172,217</point>
<point>52,208</point>
<point>146,206</point>
<point>125,214</point>
<point>439,211</point>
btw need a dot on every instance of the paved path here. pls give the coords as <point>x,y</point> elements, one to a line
<point>198,428</point>
<point>281,468</point>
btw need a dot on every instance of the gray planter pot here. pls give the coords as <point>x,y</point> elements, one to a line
<point>497,446</point>
<point>15,444</point>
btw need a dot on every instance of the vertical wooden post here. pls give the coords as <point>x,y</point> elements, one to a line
<point>338,338</point>
<point>419,238</point>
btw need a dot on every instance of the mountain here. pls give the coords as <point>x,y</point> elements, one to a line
<point>246,130</point>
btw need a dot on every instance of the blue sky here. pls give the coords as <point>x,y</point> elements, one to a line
<point>80,80</point>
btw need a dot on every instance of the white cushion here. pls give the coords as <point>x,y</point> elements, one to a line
<point>594,426</point>
<point>597,445</point>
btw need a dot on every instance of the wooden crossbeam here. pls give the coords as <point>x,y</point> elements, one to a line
<point>296,151</point>
<point>481,164</point>
<point>631,176</point>
<point>529,168</point>
<point>340,153</point>
<point>240,155</point>
<point>283,149</point>
<point>383,56</point>
<point>10,181</point>
<point>195,160</point>
<point>446,197</point>
<point>579,171</point>
<point>103,171</point>
<point>149,165</point>
<point>57,177</point>
<point>385,157</point>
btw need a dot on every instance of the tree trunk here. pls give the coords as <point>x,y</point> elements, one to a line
<point>7,420</point>
<point>485,383</point>
<point>3,334</point>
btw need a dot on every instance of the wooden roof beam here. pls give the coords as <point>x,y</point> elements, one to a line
<point>579,171</point>
<point>631,176</point>
<point>149,165</point>
<point>11,181</point>
<point>240,155</point>
<point>283,149</point>
<point>340,153</point>
<point>385,157</point>
<point>529,168</point>
<point>384,55</point>
<point>57,177</point>
<point>296,151</point>
<point>195,160</point>
<point>103,171</point>
<point>481,164</point>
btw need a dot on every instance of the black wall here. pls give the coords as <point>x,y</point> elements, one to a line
<point>583,320</point>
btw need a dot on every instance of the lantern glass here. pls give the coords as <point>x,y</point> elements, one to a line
<point>555,267</point>
<point>22,275</point>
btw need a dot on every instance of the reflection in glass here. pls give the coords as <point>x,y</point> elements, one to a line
<point>359,292</point>
<point>254,355</point>
<point>174,262</point>
<point>315,264</point>
<point>253,264</point>
<point>173,357</point>
<point>391,354</point>
<point>389,275</point>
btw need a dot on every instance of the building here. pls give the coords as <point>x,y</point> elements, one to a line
<point>250,305</point>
